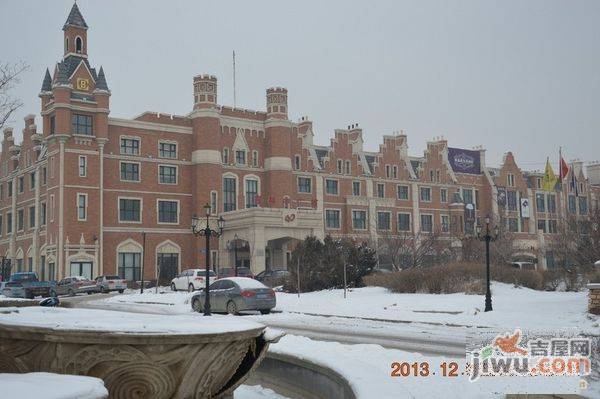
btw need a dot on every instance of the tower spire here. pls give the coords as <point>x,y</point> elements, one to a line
<point>75,18</point>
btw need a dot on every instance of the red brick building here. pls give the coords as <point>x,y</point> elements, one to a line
<point>88,194</point>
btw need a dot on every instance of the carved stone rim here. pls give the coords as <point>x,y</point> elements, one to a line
<point>135,338</point>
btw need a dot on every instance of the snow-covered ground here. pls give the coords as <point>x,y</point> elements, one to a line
<point>51,386</point>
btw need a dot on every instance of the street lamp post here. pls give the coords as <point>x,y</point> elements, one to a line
<point>488,236</point>
<point>206,227</point>
<point>235,251</point>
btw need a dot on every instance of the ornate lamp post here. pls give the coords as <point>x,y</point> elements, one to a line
<point>209,227</point>
<point>487,236</point>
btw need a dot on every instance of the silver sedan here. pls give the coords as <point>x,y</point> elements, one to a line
<point>234,294</point>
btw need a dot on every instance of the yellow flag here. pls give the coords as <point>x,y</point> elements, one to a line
<point>549,180</point>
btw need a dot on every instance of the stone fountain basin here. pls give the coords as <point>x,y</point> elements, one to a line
<point>136,355</point>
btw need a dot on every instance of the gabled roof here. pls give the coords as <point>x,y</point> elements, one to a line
<point>75,18</point>
<point>67,66</point>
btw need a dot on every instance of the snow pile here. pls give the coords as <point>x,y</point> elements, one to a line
<point>121,322</point>
<point>256,392</point>
<point>368,370</point>
<point>513,307</point>
<point>51,386</point>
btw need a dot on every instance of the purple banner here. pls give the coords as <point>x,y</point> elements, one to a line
<point>464,161</point>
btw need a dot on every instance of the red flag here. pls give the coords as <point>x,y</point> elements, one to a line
<point>563,169</point>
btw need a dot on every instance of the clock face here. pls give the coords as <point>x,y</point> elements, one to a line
<point>83,84</point>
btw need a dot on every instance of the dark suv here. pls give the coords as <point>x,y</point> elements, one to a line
<point>273,278</point>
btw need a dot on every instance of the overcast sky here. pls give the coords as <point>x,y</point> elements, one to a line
<point>509,75</point>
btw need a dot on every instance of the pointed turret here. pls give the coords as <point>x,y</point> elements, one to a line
<point>47,84</point>
<point>101,82</point>
<point>75,18</point>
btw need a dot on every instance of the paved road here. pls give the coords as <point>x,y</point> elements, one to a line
<point>412,337</point>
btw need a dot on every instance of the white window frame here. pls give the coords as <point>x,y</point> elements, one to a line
<point>141,210</point>
<point>84,159</point>
<point>311,184</point>
<point>409,221</point>
<point>390,219</point>
<point>432,222</point>
<point>223,153</point>
<point>430,194</point>
<point>158,200</point>
<point>126,137</point>
<point>366,219</point>
<point>441,196</point>
<point>168,142</point>
<point>395,171</point>
<point>51,208</point>
<point>339,211</point>
<point>255,178</point>
<point>170,166</point>
<point>359,188</point>
<point>139,172</point>
<point>214,210</point>
<point>297,162</point>
<point>254,159</point>
<point>340,166</point>
<point>338,187</point>
<point>377,190</point>
<point>442,223</point>
<point>407,192</point>
<point>85,211</point>
<point>348,167</point>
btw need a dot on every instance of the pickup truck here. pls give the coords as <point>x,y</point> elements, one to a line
<point>26,285</point>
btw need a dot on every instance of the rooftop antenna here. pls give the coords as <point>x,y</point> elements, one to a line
<point>234,94</point>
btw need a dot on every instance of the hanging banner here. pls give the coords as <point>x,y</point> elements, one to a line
<point>524,208</point>
<point>502,196</point>
<point>464,161</point>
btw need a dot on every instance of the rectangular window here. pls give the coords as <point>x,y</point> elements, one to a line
<point>81,124</point>
<point>130,265</point>
<point>541,225</point>
<point>339,166</point>
<point>476,199</point>
<point>21,183</point>
<point>427,223</point>
<point>402,192</point>
<point>356,188</point>
<point>130,210</point>
<point>511,200</point>
<point>331,187</point>
<point>1,191</point>
<point>443,195</point>
<point>130,146</point>
<point>52,125</point>
<point>229,194</point>
<point>583,208</point>
<point>395,171</point>
<point>130,171</point>
<point>348,171</point>
<point>225,156</point>
<point>332,219</point>
<point>445,223</point>
<point>82,166</point>
<point>511,180</point>
<point>387,171</point>
<point>251,193</point>
<point>167,150</point>
<point>425,194</point>
<point>467,195</point>
<point>359,220</point>
<point>513,225</point>
<point>381,190</point>
<point>43,214</point>
<point>52,208</point>
<point>20,219</point>
<point>167,174</point>
<point>297,162</point>
<point>551,199</point>
<point>540,202</point>
<point>10,189</point>
<point>572,204</point>
<point>81,207</point>
<point>44,176</point>
<point>213,202</point>
<point>8,223</point>
<point>304,184</point>
<point>383,221</point>
<point>240,157</point>
<point>552,226</point>
<point>32,180</point>
<point>255,159</point>
<point>31,217</point>
<point>404,222</point>
<point>168,212</point>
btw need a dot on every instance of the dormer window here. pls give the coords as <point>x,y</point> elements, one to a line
<point>240,157</point>
<point>78,45</point>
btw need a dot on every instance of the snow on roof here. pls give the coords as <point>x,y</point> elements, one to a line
<point>121,322</point>
<point>51,386</point>
<point>246,282</point>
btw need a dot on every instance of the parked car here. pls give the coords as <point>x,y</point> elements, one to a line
<point>230,272</point>
<point>234,294</point>
<point>111,283</point>
<point>192,279</point>
<point>524,265</point>
<point>26,285</point>
<point>273,278</point>
<point>597,263</point>
<point>74,285</point>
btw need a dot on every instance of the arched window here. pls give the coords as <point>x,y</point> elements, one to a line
<point>66,44</point>
<point>78,45</point>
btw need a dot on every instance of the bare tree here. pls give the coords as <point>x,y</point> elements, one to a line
<point>9,77</point>
<point>577,242</point>
<point>502,249</point>
<point>414,250</point>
